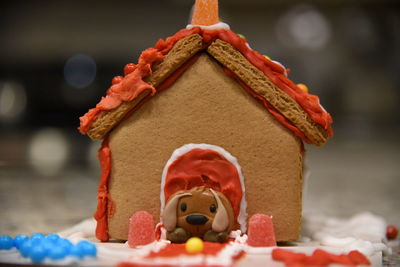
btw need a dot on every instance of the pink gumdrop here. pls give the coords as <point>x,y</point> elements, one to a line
<point>261,231</point>
<point>141,229</point>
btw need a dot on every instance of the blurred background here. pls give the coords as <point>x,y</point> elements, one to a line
<point>57,59</point>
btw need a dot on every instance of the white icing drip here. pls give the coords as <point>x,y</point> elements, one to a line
<point>217,26</point>
<point>163,231</point>
<point>242,217</point>
<point>239,237</point>
<point>280,64</point>
<point>322,107</point>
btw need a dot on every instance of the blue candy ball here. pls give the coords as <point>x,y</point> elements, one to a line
<point>37,235</point>
<point>87,248</point>
<point>76,252</point>
<point>19,240</point>
<point>57,253</point>
<point>52,237</point>
<point>6,242</point>
<point>37,239</point>
<point>47,245</point>
<point>25,248</point>
<point>37,254</point>
<point>64,243</point>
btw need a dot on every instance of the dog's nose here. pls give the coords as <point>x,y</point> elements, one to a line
<point>196,219</point>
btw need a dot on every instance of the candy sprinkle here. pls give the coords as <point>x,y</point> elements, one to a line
<point>267,57</point>
<point>391,232</point>
<point>303,87</point>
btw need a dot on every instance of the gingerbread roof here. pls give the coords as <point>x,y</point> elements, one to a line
<point>160,66</point>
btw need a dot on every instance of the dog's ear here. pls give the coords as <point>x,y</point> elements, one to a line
<point>221,219</point>
<point>169,213</point>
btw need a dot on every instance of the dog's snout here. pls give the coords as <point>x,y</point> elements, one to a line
<point>196,219</point>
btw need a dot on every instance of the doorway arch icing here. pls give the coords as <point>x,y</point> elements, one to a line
<point>207,165</point>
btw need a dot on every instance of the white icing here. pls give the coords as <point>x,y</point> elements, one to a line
<point>110,254</point>
<point>242,217</point>
<point>364,232</point>
<point>280,64</point>
<point>163,232</point>
<point>85,228</point>
<point>217,26</point>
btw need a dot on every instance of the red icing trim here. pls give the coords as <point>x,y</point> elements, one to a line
<point>319,258</point>
<point>200,167</point>
<point>103,196</point>
<point>126,89</point>
<point>132,84</point>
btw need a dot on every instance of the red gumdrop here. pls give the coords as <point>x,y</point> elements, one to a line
<point>116,79</point>
<point>130,67</point>
<point>261,231</point>
<point>391,232</point>
<point>141,229</point>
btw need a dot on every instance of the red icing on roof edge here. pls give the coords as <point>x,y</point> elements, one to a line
<point>132,84</point>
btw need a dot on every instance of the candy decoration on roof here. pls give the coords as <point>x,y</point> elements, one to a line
<point>205,12</point>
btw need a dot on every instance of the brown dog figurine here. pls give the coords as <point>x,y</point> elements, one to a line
<point>200,212</point>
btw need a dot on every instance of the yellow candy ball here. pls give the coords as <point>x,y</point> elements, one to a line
<point>303,87</point>
<point>194,245</point>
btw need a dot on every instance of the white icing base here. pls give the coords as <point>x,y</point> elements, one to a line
<point>336,234</point>
<point>242,217</point>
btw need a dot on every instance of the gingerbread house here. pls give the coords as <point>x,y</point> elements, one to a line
<point>204,89</point>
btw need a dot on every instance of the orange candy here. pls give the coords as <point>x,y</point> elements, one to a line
<point>205,12</point>
<point>303,87</point>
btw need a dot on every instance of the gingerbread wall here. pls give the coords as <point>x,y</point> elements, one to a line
<point>206,106</point>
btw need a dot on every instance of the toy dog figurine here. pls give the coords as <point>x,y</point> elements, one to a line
<point>200,212</point>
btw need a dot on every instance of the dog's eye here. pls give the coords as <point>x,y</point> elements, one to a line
<point>213,208</point>
<point>183,207</point>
